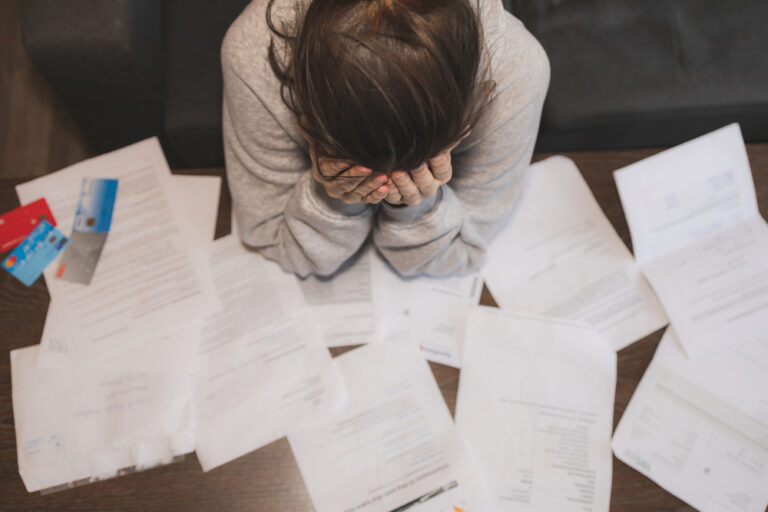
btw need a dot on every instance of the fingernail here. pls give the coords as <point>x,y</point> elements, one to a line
<point>365,171</point>
<point>398,176</point>
<point>380,180</point>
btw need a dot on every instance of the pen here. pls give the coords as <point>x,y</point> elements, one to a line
<point>428,496</point>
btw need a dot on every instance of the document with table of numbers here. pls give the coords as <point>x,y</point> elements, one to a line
<point>535,407</point>
<point>428,312</point>
<point>262,368</point>
<point>699,238</point>
<point>393,447</point>
<point>699,427</point>
<point>151,276</point>
<point>559,256</point>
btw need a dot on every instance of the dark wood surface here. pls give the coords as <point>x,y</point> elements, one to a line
<point>268,479</point>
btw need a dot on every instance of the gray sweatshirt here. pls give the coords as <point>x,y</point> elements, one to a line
<point>289,218</point>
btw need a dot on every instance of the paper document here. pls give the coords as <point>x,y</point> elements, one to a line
<point>428,312</point>
<point>560,257</point>
<point>74,427</point>
<point>262,368</point>
<point>175,351</point>
<point>393,447</point>
<point>535,407</point>
<point>699,428</point>
<point>699,239</point>
<point>151,275</point>
<point>342,304</point>
<point>199,198</point>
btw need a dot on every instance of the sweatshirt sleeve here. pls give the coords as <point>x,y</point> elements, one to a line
<point>449,233</point>
<point>280,209</point>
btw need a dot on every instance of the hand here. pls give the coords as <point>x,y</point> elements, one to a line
<point>411,188</point>
<point>348,183</point>
<point>345,181</point>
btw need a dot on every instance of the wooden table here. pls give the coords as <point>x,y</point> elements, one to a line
<point>268,479</point>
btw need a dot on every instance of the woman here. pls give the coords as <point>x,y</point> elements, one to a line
<point>410,119</point>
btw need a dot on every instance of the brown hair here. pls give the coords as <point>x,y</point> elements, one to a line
<point>383,83</point>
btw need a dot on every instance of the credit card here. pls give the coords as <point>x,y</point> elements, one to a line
<point>97,202</point>
<point>16,224</point>
<point>89,230</point>
<point>28,260</point>
<point>78,263</point>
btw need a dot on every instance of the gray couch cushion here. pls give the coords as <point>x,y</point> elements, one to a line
<point>657,72</point>
<point>104,61</point>
<point>194,30</point>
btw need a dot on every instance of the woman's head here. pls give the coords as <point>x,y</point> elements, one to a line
<point>384,83</point>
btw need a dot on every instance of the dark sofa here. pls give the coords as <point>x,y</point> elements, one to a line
<point>624,73</point>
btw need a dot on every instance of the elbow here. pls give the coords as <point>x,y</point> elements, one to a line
<point>455,261</point>
<point>321,269</point>
<point>291,257</point>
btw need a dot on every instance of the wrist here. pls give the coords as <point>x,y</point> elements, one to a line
<point>394,205</point>
<point>406,213</point>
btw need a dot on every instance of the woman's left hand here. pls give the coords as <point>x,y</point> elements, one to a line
<point>412,187</point>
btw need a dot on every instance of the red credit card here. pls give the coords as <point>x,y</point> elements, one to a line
<point>16,224</point>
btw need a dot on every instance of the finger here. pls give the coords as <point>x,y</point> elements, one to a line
<point>378,195</point>
<point>408,189</point>
<point>441,166</point>
<point>431,190</point>
<point>422,177</point>
<point>369,185</point>
<point>393,196</point>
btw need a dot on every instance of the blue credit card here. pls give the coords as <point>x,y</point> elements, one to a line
<point>97,202</point>
<point>28,260</point>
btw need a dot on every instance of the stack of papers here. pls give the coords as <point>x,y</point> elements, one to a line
<point>101,395</point>
<point>262,366</point>
<point>393,446</point>
<point>535,407</point>
<point>180,344</point>
<point>152,275</point>
<point>699,238</point>
<point>699,427</point>
<point>77,425</point>
<point>342,304</point>
<point>200,199</point>
<point>559,257</point>
<point>698,421</point>
<point>430,313</point>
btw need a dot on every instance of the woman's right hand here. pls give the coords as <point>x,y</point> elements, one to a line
<point>347,182</point>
